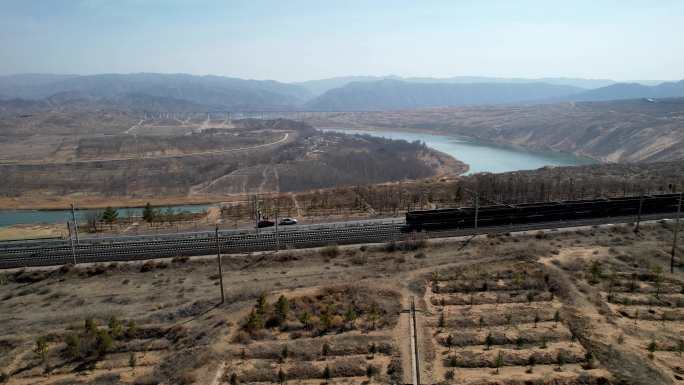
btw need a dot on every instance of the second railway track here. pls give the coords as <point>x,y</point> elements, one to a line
<point>90,250</point>
<point>432,224</point>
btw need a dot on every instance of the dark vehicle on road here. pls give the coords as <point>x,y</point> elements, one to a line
<point>265,223</point>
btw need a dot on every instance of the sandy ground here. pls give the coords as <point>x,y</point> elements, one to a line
<point>32,231</point>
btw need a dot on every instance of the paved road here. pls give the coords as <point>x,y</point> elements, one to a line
<point>146,157</point>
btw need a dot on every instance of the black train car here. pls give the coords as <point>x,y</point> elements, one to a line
<point>500,215</point>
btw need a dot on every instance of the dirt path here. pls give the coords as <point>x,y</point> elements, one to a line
<point>296,205</point>
<point>219,374</point>
<point>134,127</point>
<point>171,156</point>
<point>213,214</point>
<point>264,180</point>
<point>367,205</point>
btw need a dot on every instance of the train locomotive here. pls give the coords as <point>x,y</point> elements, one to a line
<point>502,215</point>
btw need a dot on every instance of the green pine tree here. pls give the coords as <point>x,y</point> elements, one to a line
<point>149,213</point>
<point>110,215</point>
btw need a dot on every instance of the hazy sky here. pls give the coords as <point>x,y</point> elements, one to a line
<point>292,40</point>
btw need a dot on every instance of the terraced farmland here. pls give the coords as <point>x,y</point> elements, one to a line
<point>504,324</point>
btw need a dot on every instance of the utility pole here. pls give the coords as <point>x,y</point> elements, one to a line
<point>220,268</point>
<point>71,240</point>
<point>477,208</point>
<point>641,204</point>
<point>276,223</point>
<point>257,213</point>
<point>73,219</point>
<point>676,230</point>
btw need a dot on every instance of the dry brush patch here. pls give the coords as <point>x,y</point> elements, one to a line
<point>332,333</point>
<point>646,304</point>
<point>506,319</point>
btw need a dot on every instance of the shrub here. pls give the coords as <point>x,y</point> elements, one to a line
<point>103,343</point>
<point>560,359</point>
<point>281,376</point>
<point>330,251</point>
<point>370,371</point>
<point>4,377</point>
<point>115,327</point>
<point>254,321</point>
<point>489,340</point>
<point>453,361</point>
<point>147,266</point>
<point>41,348</point>
<point>531,361</point>
<point>179,260</point>
<point>132,329</point>
<point>420,255</point>
<point>282,309</point>
<point>449,375</point>
<point>359,260</point>
<point>132,360</point>
<point>90,326</point>
<point>233,379</point>
<point>391,247</point>
<point>498,363</point>
<point>449,342</point>
<point>73,347</point>
<point>589,359</point>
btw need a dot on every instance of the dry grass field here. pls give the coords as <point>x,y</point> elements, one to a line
<point>558,307</point>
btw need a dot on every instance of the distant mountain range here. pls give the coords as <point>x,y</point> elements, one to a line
<point>213,92</point>
<point>182,92</point>
<point>318,87</point>
<point>401,95</point>
<point>398,95</point>
<point>633,91</point>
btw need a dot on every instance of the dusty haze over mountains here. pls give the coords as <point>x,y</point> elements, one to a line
<point>305,40</point>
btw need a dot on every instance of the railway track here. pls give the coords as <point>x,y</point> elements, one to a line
<point>59,252</point>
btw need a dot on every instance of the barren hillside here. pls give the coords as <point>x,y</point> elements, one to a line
<point>617,131</point>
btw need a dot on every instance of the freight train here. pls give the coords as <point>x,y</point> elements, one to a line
<point>501,215</point>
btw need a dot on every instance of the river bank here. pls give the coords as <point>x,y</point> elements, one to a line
<point>479,155</point>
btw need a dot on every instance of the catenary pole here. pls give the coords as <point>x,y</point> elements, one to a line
<point>477,208</point>
<point>73,219</point>
<point>71,240</point>
<point>220,268</point>
<point>676,230</point>
<point>641,205</point>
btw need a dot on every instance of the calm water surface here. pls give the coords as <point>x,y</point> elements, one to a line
<point>482,156</point>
